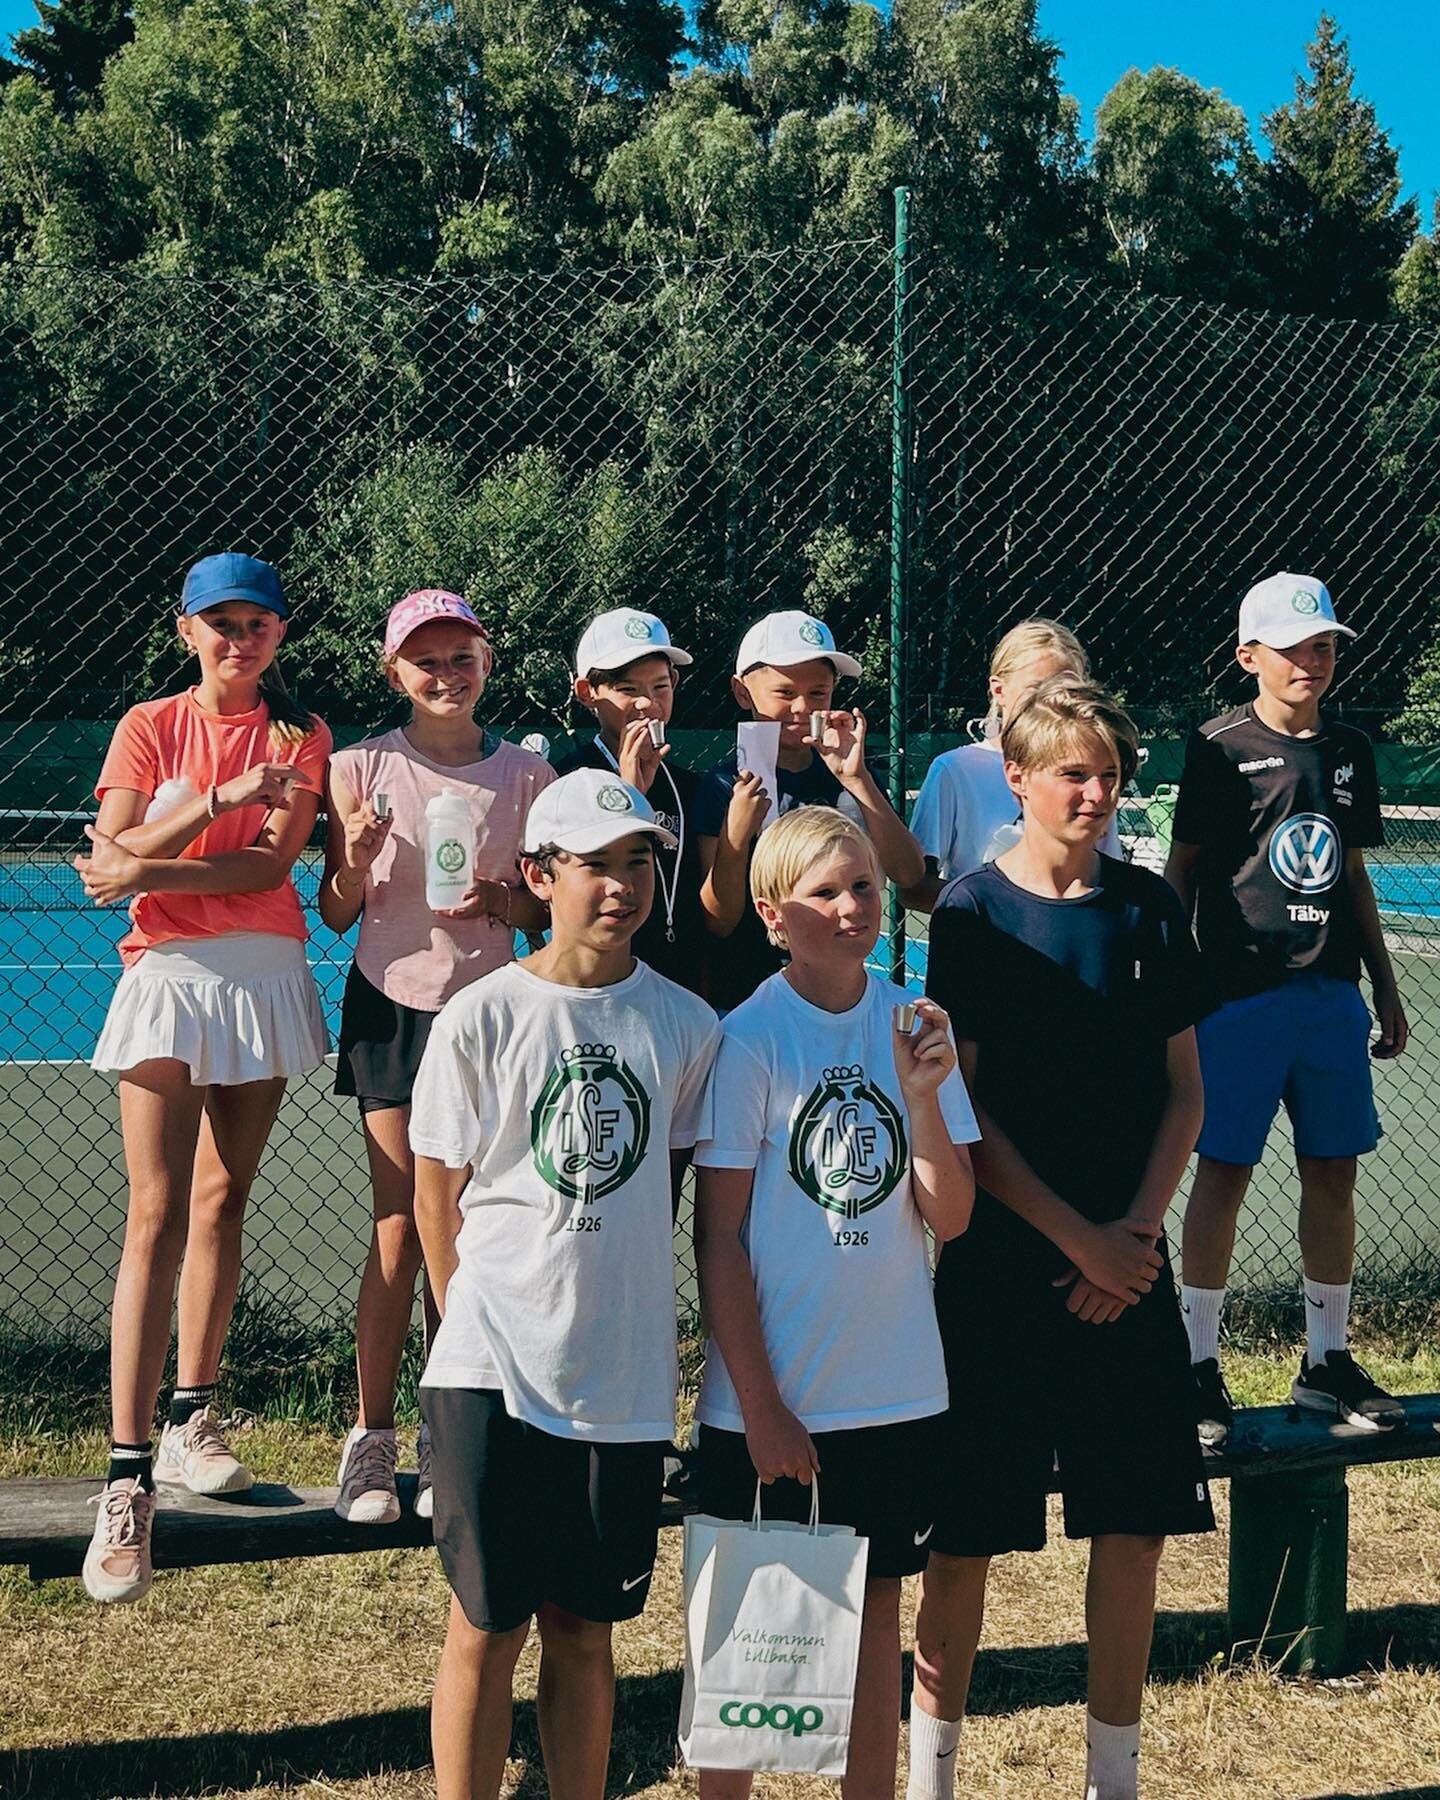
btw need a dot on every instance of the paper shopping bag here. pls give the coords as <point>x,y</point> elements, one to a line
<point>772,1639</point>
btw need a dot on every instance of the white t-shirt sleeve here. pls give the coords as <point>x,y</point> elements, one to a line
<point>934,822</point>
<point>956,1110</point>
<point>445,1120</point>
<point>692,1098</point>
<point>737,1098</point>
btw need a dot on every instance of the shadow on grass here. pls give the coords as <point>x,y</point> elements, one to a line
<point>1014,1679</point>
<point>646,1709</point>
<point>643,1753</point>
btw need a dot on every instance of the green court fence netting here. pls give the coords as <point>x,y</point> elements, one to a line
<point>922,459</point>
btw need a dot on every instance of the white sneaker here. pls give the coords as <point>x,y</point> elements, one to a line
<point>424,1493</point>
<point>368,1495</point>
<point>117,1565</point>
<point>195,1455</point>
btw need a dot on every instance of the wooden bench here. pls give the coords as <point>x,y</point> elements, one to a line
<point>1289,1519</point>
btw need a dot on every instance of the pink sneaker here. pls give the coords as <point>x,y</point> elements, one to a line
<point>117,1565</point>
<point>195,1455</point>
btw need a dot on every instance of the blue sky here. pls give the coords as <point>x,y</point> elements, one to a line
<point>1250,49</point>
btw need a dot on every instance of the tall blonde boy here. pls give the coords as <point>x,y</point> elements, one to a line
<point>1073,985</point>
<point>832,1138</point>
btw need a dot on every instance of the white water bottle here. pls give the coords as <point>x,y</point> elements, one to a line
<point>449,850</point>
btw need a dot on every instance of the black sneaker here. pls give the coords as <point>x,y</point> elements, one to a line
<point>1339,1385</point>
<point>1214,1409</point>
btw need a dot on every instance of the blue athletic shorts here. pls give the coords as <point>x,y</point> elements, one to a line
<point>1306,1045</point>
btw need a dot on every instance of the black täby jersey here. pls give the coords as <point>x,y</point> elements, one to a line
<point>1274,816</point>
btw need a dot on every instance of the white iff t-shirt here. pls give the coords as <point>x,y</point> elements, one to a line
<point>965,814</point>
<point>810,1101</point>
<point>565,1103</point>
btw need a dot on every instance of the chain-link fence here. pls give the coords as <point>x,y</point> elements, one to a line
<point>710,442</point>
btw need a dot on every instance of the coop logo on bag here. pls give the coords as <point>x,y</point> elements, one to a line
<point>848,1148</point>
<point>590,1128</point>
<point>754,1715</point>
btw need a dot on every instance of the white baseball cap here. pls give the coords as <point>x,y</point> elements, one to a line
<point>585,811</point>
<point>624,636</point>
<point>782,639</point>
<point>1284,610</point>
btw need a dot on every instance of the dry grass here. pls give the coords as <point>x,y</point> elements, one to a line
<point>312,1678</point>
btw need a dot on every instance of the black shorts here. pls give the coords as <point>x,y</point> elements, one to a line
<point>381,1043</point>
<point>522,1517</point>
<point>878,1478</point>
<point>1033,1388</point>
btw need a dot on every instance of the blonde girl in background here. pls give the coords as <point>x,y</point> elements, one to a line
<point>206,799</point>
<point>410,958</point>
<point>966,814</point>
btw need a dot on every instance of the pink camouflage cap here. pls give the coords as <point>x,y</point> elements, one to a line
<point>423,606</point>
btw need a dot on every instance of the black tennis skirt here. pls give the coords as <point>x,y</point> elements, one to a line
<point>381,1043</point>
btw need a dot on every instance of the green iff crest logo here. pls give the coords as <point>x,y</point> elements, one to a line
<point>614,799</point>
<point>451,856</point>
<point>848,1148</point>
<point>1304,602</point>
<point>811,633</point>
<point>637,627</point>
<point>590,1128</point>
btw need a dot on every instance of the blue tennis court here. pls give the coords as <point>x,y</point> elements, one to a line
<point>59,963</point>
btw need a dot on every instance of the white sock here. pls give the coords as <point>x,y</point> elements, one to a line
<point>932,1756</point>
<point>1112,1760</point>
<point>1327,1317</point>
<point>1201,1307</point>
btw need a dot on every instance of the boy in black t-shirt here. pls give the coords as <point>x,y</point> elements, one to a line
<point>1073,987</point>
<point>1277,805</point>
<point>785,674</point>
<point>626,673</point>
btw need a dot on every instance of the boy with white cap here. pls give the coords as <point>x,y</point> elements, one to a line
<point>1277,804</point>
<point>626,674</point>
<point>785,673</point>
<point>552,1099</point>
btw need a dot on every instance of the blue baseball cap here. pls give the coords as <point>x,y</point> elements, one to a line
<point>230,576</point>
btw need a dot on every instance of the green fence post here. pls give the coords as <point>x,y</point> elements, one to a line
<point>1289,1539</point>
<point>900,514</point>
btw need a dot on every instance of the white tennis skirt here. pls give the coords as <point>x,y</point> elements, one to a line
<point>237,1008</point>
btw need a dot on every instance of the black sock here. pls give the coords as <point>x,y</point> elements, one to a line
<point>135,1461</point>
<point>186,1402</point>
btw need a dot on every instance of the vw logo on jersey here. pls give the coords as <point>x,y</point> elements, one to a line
<point>1305,853</point>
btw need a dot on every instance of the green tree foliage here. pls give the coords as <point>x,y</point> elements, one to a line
<point>1167,161</point>
<point>1329,224</point>
<point>67,51</point>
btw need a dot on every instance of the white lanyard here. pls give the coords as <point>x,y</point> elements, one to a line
<point>672,887</point>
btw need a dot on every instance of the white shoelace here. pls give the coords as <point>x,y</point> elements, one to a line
<point>122,1508</point>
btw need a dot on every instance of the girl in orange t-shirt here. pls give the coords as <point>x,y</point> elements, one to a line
<point>206,800</point>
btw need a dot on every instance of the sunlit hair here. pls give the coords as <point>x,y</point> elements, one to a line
<point>1031,638</point>
<point>1050,725</point>
<point>793,845</point>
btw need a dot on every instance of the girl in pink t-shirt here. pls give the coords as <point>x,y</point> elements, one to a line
<point>409,960</point>
<point>206,799</point>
